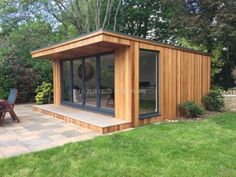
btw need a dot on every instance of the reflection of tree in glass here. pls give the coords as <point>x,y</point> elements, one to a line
<point>107,75</point>
<point>89,71</point>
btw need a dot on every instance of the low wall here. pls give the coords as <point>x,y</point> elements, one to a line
<point>230,99</point>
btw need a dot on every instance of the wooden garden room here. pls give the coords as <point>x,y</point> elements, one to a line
<point>109,81</point>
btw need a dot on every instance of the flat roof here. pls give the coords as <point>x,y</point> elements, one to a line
<point>44,52</point>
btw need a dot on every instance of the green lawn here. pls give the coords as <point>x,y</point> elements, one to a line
<point>189,148</point>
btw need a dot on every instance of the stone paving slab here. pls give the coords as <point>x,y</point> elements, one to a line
<point>37,132</point>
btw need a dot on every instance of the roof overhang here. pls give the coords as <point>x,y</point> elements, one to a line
<point>86,45</point>
<point>100,41</point>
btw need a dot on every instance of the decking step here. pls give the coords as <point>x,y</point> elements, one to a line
<point>95,121</point>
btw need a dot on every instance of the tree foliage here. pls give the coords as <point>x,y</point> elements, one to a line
<point>19,35</point>
<point>84,15</point>
<point>211,23</point>
<point>147,19</point>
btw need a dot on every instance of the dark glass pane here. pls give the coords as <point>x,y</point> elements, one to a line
<point>66,77</point>
<point>77,81</point>
<point>148,82</point>
<point>90,81</point>
<point>107,81</point>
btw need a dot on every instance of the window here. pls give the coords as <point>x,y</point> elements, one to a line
<point>148,83</point>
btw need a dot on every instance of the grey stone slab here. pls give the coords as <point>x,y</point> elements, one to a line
<point>29,124</point>
<point>3,131</point>
<point>54,126</point>
<point>39,120</point>
<point>35,128</point>
<point>70,133</point>
<point>47,132</point>
<point>8,143</point>
<point>39,147</point>
<point>36,141</point>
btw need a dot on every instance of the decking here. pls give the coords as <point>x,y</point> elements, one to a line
<point>95,121</point>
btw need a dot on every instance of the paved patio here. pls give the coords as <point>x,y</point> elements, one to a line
<point>37,131</point>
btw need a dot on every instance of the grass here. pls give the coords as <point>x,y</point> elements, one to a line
<point>187,148</point>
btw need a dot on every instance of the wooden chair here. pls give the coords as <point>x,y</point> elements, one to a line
<point>1,114</point>
<point>8,106</point>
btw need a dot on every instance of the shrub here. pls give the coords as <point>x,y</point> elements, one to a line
<point>44,93</point>
<point>14,73</point>
<point>214,101</point>
<point>5,79</point>
<point>191,110</point>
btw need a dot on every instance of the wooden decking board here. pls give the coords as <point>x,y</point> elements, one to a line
<point>95,121</point>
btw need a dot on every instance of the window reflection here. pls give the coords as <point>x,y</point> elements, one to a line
<point>107,95</point>
<point>78,81</point>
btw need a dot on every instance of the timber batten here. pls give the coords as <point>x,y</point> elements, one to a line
<point>183,74</point>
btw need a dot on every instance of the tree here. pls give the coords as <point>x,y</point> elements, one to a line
<point>211,23</point>
<point>22,32</point>
<point>20,71</point>
<point>146,18</point>
<point>84,15</point>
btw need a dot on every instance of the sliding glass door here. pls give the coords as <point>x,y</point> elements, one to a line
<point>89,82</point>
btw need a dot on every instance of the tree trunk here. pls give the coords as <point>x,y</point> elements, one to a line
<point>97,10</point>
<point>87,16</point>
<point>115,18</point>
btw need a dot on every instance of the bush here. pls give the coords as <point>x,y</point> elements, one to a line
<point>44,93</point>
<point>5,79</point>
<point>214,101</point>
<point>14,73</point>
<point>191,110</point>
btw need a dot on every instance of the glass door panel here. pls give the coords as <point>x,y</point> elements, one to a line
<point>78,88</point>
<point>107,96</point>
<point>90,81</point>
